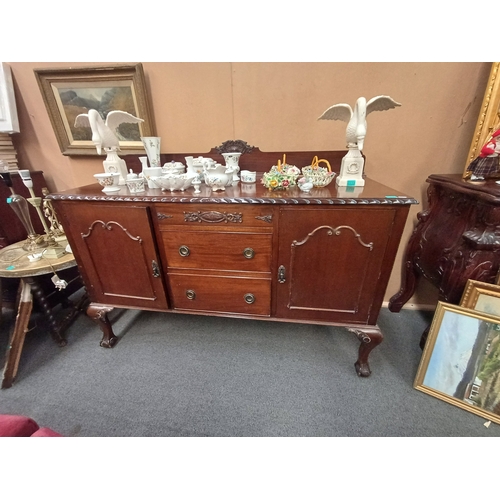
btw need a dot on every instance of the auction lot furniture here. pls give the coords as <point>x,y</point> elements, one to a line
<point>320,257</point>
<point>14,263</point>
<point>457,238</point>
<point>11,228</point>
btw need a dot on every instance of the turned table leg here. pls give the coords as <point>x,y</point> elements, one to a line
<point>16,341</point>
<point>370,337</point>
<point>99,313</point>
<point>39,294</point>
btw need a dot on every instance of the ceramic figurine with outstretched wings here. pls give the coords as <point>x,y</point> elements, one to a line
<point>104,132</point>
<point>356,119</point>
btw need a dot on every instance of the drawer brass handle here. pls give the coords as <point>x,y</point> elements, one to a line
<point>190,294</point>
<point>249,298</point>
<point>249,253</point>
<point>184,251</point>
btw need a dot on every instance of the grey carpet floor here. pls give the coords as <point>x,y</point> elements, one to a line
<point>180,375</point>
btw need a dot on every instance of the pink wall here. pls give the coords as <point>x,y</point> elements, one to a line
<point>275,106</point>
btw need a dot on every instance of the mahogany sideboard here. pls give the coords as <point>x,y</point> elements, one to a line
<point>457,238</point>
<point>320,257</point>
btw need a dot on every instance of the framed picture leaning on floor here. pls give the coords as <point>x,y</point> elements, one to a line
<point>461,360</point>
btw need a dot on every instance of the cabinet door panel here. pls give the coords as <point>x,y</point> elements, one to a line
<point>332,262</point>
<point>115,247</point>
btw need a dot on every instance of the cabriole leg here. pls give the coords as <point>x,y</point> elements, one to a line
<point>370,337</point>
<point>99,314</point>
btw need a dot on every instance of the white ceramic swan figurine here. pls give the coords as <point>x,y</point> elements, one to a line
<point>103,133</point>
<point>356,120</point>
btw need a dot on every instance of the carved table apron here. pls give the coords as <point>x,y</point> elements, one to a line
<point>457,238</point>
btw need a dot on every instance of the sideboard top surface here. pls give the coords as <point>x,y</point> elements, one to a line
<point>371,193</point>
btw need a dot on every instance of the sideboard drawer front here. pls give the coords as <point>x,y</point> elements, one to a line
<point>224,251</point>
<point>221,294</point>
<point>218,217</point>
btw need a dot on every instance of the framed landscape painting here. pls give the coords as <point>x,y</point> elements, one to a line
<point>72,91</point>
<point>483,297</point>
<point>461,360</point>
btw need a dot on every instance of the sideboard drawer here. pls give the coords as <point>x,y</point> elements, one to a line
<point>221,294</point>
<point>215,217</point>
<point>213,250</point>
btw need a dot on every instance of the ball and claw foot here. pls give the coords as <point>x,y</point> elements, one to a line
<point>99,314</point>
<point>109,343</point>
<point>370,337</point>
<point>362,369</point>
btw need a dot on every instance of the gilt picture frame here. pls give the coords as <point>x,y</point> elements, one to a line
<point>459,364</point>
<point>482,297</point>
<point>489,116</point>
<point>68,92</point>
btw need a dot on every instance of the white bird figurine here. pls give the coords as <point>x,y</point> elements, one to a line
<point>103,133</point>
<point>356,120</point>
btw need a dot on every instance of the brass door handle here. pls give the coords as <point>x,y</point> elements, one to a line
<point>281,274</point>
<point>184,251</point>
<point>190,294</point>
<point>156,269</point>
<point>249,253</point>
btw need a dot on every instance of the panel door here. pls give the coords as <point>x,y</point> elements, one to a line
<point>331,262</point>
<point>116,252</point>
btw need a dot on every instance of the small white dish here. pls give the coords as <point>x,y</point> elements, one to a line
<point>109,181</point>
<point>248,177</point>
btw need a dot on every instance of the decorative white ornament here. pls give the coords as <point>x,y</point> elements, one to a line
<point>104,132</point>
<point>351,173</point>
<point>104,137</point>
<point>351,169</point>
<point>356,120</point>
<point>152,147</point>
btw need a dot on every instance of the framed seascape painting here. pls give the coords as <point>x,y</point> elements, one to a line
<point>482,297</point>
<point>461,360</point>
<point>72,91</point>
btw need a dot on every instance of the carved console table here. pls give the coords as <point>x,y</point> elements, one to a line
<point>320,257</point>
<point>457,238</point>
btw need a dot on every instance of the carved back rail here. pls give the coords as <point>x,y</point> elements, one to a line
<point>252,158</point>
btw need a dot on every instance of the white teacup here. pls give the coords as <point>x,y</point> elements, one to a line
<point>248,176</point>
<point>109,181</point>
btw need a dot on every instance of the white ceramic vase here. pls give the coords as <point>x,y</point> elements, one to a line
<point>232,161</point>
<point>152,147</point>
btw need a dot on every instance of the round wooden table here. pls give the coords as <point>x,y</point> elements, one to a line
<point>15,263</point>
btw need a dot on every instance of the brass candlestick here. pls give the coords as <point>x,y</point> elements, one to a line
<point>54,249</point>
<point>20,206</point>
